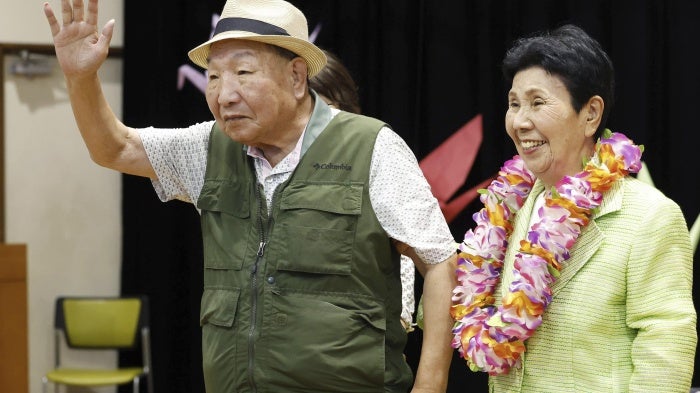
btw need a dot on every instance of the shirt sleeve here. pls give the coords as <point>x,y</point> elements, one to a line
<point>403,202</point>
<point>179,158</point>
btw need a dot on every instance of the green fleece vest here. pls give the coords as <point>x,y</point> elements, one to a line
<point>307,299</point>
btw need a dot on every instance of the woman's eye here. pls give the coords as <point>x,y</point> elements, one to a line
<point>513,105</point>
<point>538,102</point>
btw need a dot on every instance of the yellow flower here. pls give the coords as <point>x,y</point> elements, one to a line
<point>521,303</point>
<point>533,249</point>
<point>497,218</point>
<point>576,212</point>
<point>474,259</point>
<point>504,350</point>
<point>458,311</point>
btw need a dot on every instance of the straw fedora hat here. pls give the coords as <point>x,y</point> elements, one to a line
<point>273,22</point>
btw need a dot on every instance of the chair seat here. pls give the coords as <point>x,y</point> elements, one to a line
<point>93,377</point>
<point>118,324</point>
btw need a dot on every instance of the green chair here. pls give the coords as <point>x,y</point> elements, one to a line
<point>101,323</point>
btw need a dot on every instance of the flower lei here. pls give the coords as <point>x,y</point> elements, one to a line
<point>491,338</point>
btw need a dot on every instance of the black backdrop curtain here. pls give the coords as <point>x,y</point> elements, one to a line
<point>424,67</point>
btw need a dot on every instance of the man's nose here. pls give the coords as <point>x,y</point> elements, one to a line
<point>229,91</point>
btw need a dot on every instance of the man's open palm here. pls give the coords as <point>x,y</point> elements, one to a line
<point>80,49</point>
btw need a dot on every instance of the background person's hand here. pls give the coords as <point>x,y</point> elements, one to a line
<point>80,49</point>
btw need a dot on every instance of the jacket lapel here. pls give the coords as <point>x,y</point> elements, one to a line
<point>521,226</point>
<point>590,239</point>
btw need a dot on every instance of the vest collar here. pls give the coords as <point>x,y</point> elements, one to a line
<point>320,117</point>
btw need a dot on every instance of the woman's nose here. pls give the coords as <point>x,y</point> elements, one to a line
<point>521,119</point>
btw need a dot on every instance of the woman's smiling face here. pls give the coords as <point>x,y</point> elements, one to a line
<point>551,137</point>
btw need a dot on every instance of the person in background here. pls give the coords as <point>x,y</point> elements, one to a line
<point>335,85</point>
<point>577,277</point>
<point>300,204</point>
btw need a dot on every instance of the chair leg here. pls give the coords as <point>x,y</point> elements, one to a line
<point>45,384</point>
<point>136,384</point>
<point>149,381</point>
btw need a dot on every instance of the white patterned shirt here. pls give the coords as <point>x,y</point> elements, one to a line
<point>398,191</point>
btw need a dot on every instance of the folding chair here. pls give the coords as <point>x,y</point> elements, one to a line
<point>104,323</point>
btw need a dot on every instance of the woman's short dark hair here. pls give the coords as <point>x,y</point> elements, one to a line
<point>335,83</point>
<point>572,55</point>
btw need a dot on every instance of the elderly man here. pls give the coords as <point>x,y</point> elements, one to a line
<point>300,207</point>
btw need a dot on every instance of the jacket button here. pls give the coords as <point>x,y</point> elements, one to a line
<point>270,280</point>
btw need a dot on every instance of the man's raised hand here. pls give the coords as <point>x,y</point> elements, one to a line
<point>80,48</point>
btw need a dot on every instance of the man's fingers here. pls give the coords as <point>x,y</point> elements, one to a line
<point>107,31</point>
<point>67,11</point>
<point>78,10</point>
<point>51,18</point>
<point>92,12</point>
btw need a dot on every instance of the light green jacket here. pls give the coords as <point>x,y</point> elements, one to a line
<point>622,317</point>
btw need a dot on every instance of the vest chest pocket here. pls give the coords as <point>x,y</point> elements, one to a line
<point>317,224</point>
<point>225,208</point>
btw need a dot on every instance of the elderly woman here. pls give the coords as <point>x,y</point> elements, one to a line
<point>577,277</point>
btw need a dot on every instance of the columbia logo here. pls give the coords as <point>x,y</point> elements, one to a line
<point>338,167</point>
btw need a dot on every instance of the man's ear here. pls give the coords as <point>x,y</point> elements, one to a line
<point>594,114</point>
<point>299,76</point>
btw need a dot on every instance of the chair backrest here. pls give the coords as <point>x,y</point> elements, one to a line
<point>101,322</point>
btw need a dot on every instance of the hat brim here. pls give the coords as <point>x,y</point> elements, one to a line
<point>314,57</point>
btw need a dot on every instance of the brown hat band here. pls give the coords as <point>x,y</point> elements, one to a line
<point>251,25</point>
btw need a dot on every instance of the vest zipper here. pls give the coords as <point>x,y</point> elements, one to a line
<point>262,230</point>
